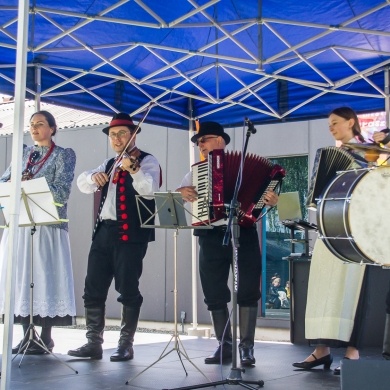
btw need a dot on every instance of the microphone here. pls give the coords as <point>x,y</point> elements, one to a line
<point>251,128</point>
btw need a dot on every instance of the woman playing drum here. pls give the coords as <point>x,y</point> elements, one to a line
<point>335,302</point>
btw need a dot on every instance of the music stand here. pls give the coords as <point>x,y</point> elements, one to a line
<point>37,207</point>
<point>172,215</point>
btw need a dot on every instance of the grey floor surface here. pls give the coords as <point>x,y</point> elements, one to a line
<point>160,358</point>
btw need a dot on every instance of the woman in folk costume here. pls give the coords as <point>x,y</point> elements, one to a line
<point>336,299</point>
<point>54,302</point>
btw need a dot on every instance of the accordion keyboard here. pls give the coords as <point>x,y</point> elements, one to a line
<point>272,186</point>
<point>200,179</point>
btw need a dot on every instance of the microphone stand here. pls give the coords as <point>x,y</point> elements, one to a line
<point>233,229</point>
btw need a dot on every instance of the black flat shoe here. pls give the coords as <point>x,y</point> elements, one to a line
<point>325,360</point>
<point>386,355</point>
<point>35,349</point>
<point>337,370</point>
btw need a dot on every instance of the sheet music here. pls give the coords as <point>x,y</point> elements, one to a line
<point>37,205</point>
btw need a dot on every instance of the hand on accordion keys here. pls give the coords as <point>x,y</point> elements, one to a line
<point>271,198</point>
<point>188,193</point>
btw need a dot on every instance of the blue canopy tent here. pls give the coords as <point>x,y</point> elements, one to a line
<point>216,59</point>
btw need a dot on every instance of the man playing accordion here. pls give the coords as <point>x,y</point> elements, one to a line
<point>215,261</point>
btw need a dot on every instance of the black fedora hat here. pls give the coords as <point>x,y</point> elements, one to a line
<point>211,128</point>
<point>121,119</point>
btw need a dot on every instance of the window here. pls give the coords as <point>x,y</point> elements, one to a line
<point>275,269</point>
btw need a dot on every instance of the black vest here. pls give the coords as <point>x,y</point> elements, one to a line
<point>128,220</point>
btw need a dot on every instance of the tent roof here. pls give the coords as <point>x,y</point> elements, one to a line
<point>220,60</point>
<point>65,117</point>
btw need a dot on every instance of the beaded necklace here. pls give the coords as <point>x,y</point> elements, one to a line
<point>27,174</point>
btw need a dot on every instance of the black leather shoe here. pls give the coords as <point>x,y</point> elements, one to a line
<point>215,358</point>
<point>325,360</point>
<point>122,353</point>
<point>246,356</point>
<point>89,350</point>
<point>35,349</point>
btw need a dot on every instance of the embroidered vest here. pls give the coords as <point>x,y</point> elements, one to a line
<point>129,225</point>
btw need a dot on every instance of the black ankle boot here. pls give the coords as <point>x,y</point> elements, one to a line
<point>386,339</point>
<point>129,324</point>
<point>95,327</point>
<point>247,322</point>
<point>224,351</point>
<point>222,354</point>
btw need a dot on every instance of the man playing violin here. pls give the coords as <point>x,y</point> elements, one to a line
<point>119,243</point>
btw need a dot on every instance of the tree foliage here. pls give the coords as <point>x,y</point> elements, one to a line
<point>296,179</point>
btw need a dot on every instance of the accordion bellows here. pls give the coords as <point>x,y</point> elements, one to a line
<point>328,162</point>
<point>215,181</point>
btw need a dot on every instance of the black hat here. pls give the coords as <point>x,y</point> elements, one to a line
<point>121,119</point>
<point>211,128</point>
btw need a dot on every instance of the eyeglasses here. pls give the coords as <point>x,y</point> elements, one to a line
<point>119,134</point>
<point>202,140</point>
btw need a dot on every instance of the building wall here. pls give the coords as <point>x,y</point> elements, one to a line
<point>171,148</point>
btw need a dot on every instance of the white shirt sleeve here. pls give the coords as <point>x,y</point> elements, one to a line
<point>187,180</point>
<point>85,182</point>
<point>147,180</point>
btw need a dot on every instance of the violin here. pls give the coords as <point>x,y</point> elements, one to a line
<point>133,155</point>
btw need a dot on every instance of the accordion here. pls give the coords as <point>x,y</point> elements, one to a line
<point>215,181</point>
<point>328,162</point>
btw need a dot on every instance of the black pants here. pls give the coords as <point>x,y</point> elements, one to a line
<point>110,258</point>
<point>215,263</point>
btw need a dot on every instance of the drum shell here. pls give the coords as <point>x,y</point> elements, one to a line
<point>333,216</point>
<point>353,216</point>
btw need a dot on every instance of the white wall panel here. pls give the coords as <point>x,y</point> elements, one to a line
<point>171,148</point>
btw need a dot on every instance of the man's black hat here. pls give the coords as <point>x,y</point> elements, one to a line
<point>211,128</point>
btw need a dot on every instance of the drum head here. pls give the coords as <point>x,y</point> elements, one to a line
<point>369,215</point>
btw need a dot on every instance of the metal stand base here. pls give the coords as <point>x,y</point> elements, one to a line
<point>175,336</point>
<point>180,353</point>
<point>234,378</point>
<point>38,341</point>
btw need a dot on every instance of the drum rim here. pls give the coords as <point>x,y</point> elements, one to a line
<point>320,220</point>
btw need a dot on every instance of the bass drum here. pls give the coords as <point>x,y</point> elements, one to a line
<point>353,216</point>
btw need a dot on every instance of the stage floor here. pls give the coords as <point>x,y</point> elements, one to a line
<point>273,365</point>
